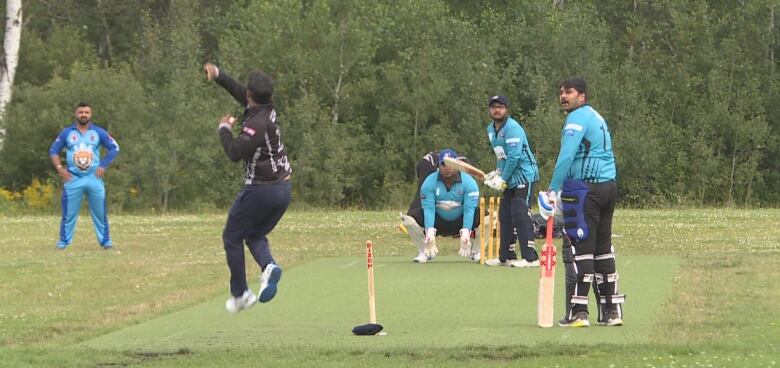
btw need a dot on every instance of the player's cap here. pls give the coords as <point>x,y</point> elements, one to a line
<point>446,153</point>
<point>499,99</point>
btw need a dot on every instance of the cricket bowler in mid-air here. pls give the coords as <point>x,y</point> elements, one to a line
<point>263,200</point>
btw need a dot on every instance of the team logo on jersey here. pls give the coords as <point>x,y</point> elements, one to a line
<point>570,129</point>
<point>249,131</point>
<point>82,158</point>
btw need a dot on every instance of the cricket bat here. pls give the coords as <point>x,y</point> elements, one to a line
<point>371,296</point>
<point>464,167</point>
<point>544,306</point>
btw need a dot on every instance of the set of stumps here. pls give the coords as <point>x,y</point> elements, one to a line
<point>372,328</point>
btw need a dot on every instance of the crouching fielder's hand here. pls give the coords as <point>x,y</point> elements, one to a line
<point>430,242</point>
<point>465,243</point>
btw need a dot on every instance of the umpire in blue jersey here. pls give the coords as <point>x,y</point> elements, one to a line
<point>83,174</point>
<point>583,188</point>
<point>263,200</point>
<point>447,206</point>
<point>516,173</point>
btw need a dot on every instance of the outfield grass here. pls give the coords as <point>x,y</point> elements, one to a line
<point>61,308</point>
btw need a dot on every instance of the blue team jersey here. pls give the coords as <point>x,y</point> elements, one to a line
<point>514,159</point>
<point>83,150</point>
<point>450,204</point>
<point>586,149</point>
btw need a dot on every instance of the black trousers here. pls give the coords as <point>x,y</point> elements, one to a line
<point>254,214</point>
<point>516,225</point>
<point>593,256</point>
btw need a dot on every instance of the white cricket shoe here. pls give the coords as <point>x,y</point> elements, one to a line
<point>237,304</point>
<point>268,281</point>
<point>422,258</point>
<point>521,263</point>
<point>476,257</point>
<point>494,262</point>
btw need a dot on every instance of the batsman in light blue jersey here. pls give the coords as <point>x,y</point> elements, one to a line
<point>83,174</point>
<point>583,188</point>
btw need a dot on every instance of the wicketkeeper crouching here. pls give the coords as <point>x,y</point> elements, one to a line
<point>448,207</point>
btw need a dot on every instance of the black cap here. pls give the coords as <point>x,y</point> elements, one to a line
<point>577,83</point>
<point>500,99</point>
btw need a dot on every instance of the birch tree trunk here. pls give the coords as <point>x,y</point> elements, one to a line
<point>13,36</point>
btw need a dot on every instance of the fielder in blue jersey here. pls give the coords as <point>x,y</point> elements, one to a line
<point>516,173</point>
<point>447,206</point>
<point>84,174</point>
<point>583,188</point>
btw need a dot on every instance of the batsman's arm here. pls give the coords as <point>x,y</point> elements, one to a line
<point>571,137</point>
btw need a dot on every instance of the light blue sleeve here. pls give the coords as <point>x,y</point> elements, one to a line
<point>470,199</point>
<point>428,199</point>
<point>571,137</point>
<point>515,136</point>
<point>111,146</point>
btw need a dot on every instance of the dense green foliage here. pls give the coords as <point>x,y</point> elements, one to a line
<point>363,89</point>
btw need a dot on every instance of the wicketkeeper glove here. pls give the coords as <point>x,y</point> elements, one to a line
<point>496,183</point>
<point>465,243</point>
<point>430,242</point>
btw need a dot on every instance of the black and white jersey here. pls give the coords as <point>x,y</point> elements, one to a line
<point>259,143</point>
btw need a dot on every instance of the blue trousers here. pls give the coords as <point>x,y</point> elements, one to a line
<point>255,212</point>
<point>73,192</point>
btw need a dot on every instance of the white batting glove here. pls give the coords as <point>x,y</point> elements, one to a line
<point>558,204</point>
<point>465,243</point>
<point>549,203</point>
<point>430,242</point>
<point>496,183</point>
<point>491,175</point>
<point>546,205</point>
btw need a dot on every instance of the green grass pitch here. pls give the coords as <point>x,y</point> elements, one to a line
<point>447,303</point>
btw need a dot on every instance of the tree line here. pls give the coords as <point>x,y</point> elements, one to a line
<point>364,89</point>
